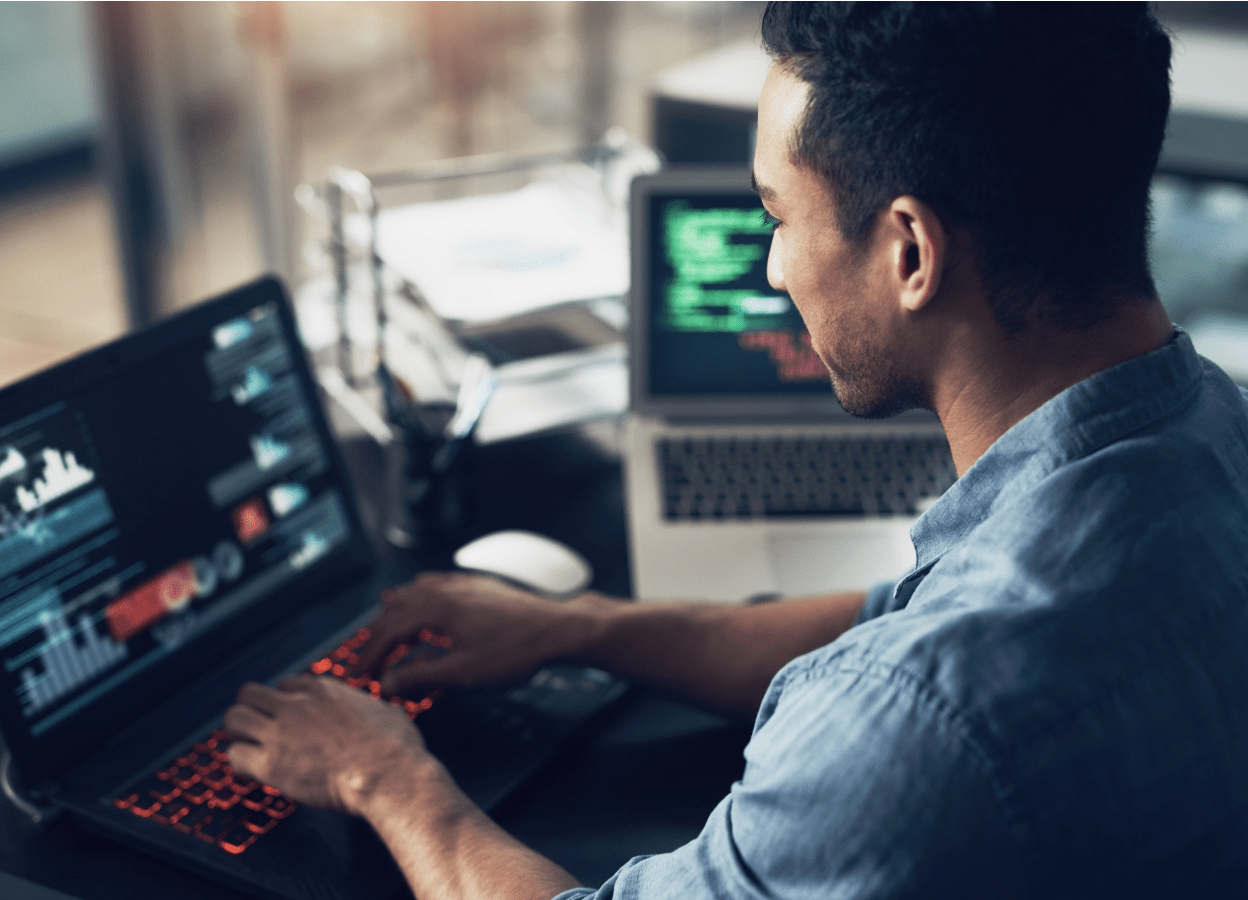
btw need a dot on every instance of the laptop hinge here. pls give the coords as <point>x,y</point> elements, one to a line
<point>36,813</point>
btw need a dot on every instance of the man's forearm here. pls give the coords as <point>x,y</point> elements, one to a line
<point>721,657</point>
<point>446,847</point>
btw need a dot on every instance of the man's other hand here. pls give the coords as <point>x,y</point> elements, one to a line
<point>319,741</point>
<point>494,633</point>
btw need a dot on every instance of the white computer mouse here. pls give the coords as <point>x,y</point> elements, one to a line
<point>539,563</point>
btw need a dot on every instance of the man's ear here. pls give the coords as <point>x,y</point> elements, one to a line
<point>919,244</point>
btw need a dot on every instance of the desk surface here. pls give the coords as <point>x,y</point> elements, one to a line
<point>642,781</point>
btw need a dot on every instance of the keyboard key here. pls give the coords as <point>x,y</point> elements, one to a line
<point>212,827</point>
<point>243,785</point>
<point>145,807</point>
<point>258,822</point>
<point>197,793</point>
<point>257,799</point>
<point>166,791</point>
<point>237,839</point>
<point>280,807</point>
<point>215,776</point>
<point>194,816</point>
<point>224,800</point>
<point>171,812</point>
<point>184,776</point>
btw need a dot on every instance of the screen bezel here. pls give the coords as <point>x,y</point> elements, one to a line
<point>41,759</point>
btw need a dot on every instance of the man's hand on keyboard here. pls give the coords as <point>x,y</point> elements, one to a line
<point>330,745</point>
<point>466,630</point>
<point>320,741</point>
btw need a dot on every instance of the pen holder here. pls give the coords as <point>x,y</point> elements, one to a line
<point>424,497</point>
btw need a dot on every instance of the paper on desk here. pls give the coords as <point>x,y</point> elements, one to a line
<point>485,258</point>
<point>533,395</point>
<point>549,392</point>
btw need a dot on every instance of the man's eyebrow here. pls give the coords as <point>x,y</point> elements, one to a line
<point>762,190</point>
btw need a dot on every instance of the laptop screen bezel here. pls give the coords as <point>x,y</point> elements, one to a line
<point>42,758</point>
<point>693,181</point>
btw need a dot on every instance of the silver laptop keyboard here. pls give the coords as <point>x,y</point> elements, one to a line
<point>793,475</point>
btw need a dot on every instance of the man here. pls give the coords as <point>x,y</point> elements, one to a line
<point>1055,702</point>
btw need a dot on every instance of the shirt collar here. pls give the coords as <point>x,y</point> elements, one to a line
<point>1080,420</point>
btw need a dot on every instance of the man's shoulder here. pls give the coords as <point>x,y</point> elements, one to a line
<point>1165,499</point>
<point>1072,658</point>
<point>1092,724</point>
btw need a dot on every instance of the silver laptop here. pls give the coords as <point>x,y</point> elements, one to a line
<point>744,476</point>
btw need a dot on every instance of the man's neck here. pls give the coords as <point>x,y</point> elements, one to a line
<point>982,394</point>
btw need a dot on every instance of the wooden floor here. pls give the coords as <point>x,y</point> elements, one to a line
<point>60,286</point>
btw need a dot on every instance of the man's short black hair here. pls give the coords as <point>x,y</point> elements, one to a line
<point>1035,126</point>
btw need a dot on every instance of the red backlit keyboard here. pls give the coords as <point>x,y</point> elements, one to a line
<point>200,794</point>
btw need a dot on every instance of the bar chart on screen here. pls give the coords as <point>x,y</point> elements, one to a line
<point>69,655</point>
<point>62,474</point>
<point>50,496</point>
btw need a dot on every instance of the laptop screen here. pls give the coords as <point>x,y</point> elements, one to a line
<point>709,338</point>
<point>716,325</point>
<point>143,510</point>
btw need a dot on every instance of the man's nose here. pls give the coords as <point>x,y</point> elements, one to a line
<point>775,272</point>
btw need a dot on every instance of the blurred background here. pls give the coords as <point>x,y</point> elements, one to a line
<point>199,120</point>
<point>151,154</point>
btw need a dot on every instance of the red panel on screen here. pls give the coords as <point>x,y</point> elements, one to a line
<point>151,601</point>
<point>250,520</point>
<point>793,357</point>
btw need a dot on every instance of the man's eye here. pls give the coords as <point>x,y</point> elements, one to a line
<point>770,222</point>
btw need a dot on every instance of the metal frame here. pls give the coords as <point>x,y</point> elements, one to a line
<point>344,184</point>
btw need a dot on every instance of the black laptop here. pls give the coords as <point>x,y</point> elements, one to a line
<point>175,519</point>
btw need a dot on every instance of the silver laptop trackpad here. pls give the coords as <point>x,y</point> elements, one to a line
<point>811,564</point>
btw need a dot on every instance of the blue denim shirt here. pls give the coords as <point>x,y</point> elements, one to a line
<point>1053,704</point>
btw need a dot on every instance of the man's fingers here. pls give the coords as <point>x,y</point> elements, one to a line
<point>378,646</point>
<point>260,697</point>
<point>247,722</point>
<point>400,679</point>
<point>441,672</point>
<point>390,629</point>
<point>247,759</point>
<point>374,654</point>
<point>297,684</point>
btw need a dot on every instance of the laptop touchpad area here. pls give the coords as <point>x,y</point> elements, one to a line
<point>850,561</point>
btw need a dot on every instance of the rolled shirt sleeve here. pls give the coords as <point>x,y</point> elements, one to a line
<point>858,784</point>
